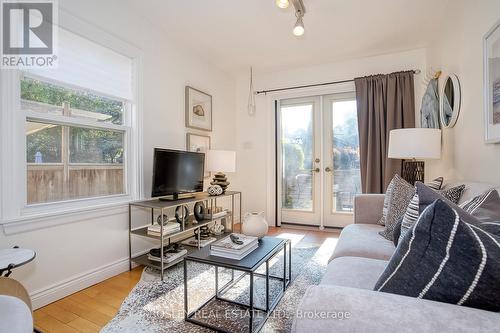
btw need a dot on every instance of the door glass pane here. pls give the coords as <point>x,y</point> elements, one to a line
<point>297,157</point>
<point>346,173</point>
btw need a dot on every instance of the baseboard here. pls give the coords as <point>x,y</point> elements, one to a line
<point>76,283</point>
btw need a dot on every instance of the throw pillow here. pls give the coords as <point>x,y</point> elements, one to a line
<point>397,232</point>
<point>397,199</point>
<point>436,184</point>
<point>485,207</point>
<point>453,194</point>
<point>423,197</point>
<point>446,259</point>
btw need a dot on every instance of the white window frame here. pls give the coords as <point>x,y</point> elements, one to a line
<point>13,166</point>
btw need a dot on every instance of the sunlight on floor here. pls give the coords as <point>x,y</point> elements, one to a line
<point>294,238</point>
<point>325,251</point>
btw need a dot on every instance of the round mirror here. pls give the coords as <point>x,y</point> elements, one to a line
<point>450,101</point>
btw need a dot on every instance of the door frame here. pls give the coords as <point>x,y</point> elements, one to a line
<point>273,106</point>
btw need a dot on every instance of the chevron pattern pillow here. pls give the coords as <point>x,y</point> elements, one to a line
<point>447,259</point>
<point>399,194</point>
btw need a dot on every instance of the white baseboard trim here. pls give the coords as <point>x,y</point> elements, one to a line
<point>61,289</point>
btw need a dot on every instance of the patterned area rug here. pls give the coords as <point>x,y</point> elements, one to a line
<point>153,306</point>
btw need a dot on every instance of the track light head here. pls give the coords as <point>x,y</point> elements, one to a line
<point>282,3</point>
<point>298,29</point>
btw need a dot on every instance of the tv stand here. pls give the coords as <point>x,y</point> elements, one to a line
<point>177,196</point>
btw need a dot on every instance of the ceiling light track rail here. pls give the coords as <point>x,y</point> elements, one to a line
<point>415,71</point>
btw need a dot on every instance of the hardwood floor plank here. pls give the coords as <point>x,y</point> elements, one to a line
<point>84,326</point>
<point>52,325</point>
<point>57,311</point>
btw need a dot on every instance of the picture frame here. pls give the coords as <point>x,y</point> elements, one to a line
<point>198,106</point>
<point>198,143</point>
<point>491,88</point>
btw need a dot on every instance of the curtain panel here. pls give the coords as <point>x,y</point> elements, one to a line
<point>384,102</point>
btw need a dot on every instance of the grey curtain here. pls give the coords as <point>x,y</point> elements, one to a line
<point>385,102</point>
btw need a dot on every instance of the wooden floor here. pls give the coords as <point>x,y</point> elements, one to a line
<point>90,309</point>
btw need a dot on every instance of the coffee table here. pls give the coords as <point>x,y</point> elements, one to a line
<point>269,247</point>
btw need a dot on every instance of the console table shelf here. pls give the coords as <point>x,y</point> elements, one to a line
<point>187,228</point>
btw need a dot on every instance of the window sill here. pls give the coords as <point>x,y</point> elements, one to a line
<point>41,220</point>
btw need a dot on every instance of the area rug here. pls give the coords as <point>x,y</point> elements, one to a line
<point>155,306</point>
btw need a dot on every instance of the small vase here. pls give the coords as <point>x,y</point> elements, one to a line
<point>254,224</point>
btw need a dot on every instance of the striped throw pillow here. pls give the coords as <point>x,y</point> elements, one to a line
<point>485,207</point>
<point>436,184</point>
<point>447,259</point>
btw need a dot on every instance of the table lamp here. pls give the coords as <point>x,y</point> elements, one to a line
<point>413,145</point>
<point>221,161</point>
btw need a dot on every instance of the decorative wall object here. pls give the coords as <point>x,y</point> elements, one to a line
<point>492,84</point>
<point>429,112</point>
<point>200,144</point>
<point>198,109</point>
<point>451,101</point>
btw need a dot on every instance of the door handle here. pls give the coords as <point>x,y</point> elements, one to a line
<point>327,169</point>
<point>317,170</point>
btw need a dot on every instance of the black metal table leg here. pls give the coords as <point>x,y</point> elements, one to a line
<point>267,286</point>
<point>251,302</point>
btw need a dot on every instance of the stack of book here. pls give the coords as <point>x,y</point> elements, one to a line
<point>193,241</point>
<point>170,227</point>
<point>168,257</point>
<point>228,249</point>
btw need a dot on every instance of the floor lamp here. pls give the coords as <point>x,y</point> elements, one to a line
<point>413,145</point>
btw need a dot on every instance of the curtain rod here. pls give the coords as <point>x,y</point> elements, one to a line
<point>415,71</point>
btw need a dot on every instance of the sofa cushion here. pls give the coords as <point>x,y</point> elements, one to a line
<point>354,272</point>
<point>359,310</point>
<point>363,240</point>
<point>399,194</point>
<point>446,259</point>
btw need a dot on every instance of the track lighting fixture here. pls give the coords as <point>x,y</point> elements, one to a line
<point>300,10</point>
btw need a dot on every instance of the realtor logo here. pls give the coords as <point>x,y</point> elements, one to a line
<point>28,31</point>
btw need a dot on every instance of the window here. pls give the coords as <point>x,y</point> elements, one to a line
<point>345,143</point>
<point>70,161</point>
<point>78,123</point>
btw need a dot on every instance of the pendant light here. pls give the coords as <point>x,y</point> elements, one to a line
<point>251,96</point>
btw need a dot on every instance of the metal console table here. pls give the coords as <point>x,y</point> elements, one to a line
<point>187,228</point>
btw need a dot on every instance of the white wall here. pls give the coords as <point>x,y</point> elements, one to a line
<point>255,135</point>
<point>90,248</point>
<point>458,49</point>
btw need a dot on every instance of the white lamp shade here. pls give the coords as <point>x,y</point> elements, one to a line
<point>221,161</point>
<point>415,143</point>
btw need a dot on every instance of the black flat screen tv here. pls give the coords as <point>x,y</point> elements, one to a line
<point>176,172</point>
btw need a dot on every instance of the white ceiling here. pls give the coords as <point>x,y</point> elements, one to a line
<point>234,34</point>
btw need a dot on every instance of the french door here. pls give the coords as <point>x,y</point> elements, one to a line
<point>318,160</point>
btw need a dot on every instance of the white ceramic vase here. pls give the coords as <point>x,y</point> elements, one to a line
<point>254,224</point>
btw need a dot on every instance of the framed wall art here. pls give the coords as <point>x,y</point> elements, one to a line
<point>492,84</point>
<point>200,144</point>
<point>198,109</point>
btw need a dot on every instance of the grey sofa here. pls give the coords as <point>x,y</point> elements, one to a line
<point>344,301</point>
